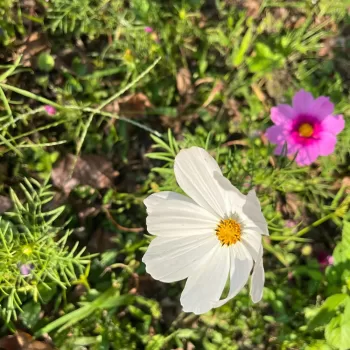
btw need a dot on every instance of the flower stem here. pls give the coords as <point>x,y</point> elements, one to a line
<point>314,224</point>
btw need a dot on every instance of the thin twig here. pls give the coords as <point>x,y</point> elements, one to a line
<point>120,227</point>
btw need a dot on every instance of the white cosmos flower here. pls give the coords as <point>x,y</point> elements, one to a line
<point>208,238</point>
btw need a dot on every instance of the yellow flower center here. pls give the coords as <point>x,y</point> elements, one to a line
<point>228,231</point>
<point>306,130</point>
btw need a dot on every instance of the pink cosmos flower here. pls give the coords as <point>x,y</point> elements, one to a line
<point>307,127</point>
<point>50,110</point>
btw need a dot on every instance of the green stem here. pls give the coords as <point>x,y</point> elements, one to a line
<point>30,95</point>
<point>108,101</point>
<point>11,69</point>
<point>92,111</point>
<point>290,238</point>
<point>315,224</point>
<point>6,104</point>
<point>115,116</point>
<point>310,227</point>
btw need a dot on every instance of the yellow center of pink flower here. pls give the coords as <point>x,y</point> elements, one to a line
<point>306,130</point>
<point>228,231</point>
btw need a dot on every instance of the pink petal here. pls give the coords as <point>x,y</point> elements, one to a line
<point>278,150</point>
<point>330,260</point>
<point>307,154</point>
<point>333,124</point>
<point>282,114</point>
<point>326,144</point>
<point>50,110</point>
<point>148,29</point>
<point>275,134</point>
<point>302,101</point>
<point>322,107</point>
<point>279,136</point>
<point>292,148</point>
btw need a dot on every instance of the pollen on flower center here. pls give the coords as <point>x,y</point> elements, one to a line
<point>228,231</point>
<point>306,130</point>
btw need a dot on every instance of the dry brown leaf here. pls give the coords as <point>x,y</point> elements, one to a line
<point>183,82</point>
<point>23,341</point>
<point>327,47</point>
<point>135,104</point>
<point>34,44</point>
<point>218,87</point>
<point>112,107</point>
<point>204,81</point>
<point>236,142</point>
<point>130,105</point>
<point>190,346</point>
<point>299,22</point>
<point>258,92</point>
<point>91,170</point>
<point>346,182</point>
<point>252,6</point>
<point>260,95</point>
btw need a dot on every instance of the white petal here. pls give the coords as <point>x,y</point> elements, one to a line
<point>252,210</point>
<point>252,241</point>
<point>173,215</point>
<point>204,287</point>
<point>171,259</point>
<point>258,280</point>
<point>234,199</point>
<point>198,174</point>
<point>241,265</point>
<point>160,198</point>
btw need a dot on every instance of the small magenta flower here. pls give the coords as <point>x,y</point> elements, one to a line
<point>308,127</point>
<point>325,260</point>
<point>148,29</point>
<point>50,110</point>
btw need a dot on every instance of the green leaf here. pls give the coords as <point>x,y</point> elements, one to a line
<point>334,301</point>
<point>156,342</point>
<point>207,345</point>
<point>265,60</point>
<point>341,254</point>
<point>318,345</point>
<point>31,313</point>
<point>327,310</point>
<point>108,257</point>
<point>246,41</point>
<point>187,333</point>
<point>338,333</point>
<point>263,50</point>
<point>346,313</point>
<point>346,234</point>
